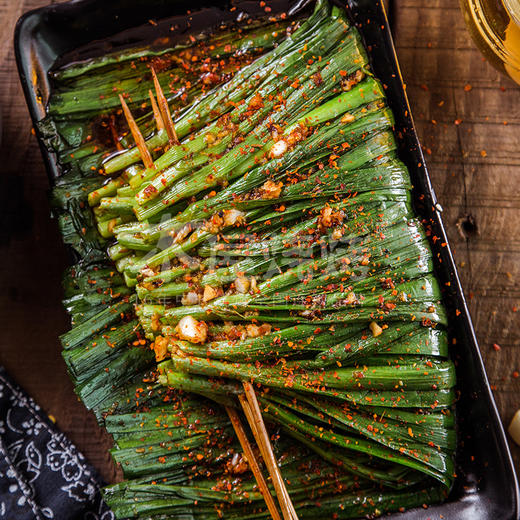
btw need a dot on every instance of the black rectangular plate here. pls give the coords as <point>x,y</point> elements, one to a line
<point>486,487</point>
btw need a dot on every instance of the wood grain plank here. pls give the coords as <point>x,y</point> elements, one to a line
<point>475,168</point>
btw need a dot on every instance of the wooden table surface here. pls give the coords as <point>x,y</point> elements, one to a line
<point>468,119</point>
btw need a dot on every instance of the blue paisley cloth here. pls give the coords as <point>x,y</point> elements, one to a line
<point>42,474</point>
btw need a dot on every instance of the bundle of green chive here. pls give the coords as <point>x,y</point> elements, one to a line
<point>277,244</point>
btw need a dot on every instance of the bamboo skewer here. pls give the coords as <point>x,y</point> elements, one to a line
<point>253,414</point>
<point>164,109</point>
<point>257,413</point>
<point>136,133</point>
<point>253,464</point>
<point>156,113</point>
<point>115,135</point>
<point>275,477</point>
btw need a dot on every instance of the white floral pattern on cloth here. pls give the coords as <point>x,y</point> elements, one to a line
<point>42,474</point>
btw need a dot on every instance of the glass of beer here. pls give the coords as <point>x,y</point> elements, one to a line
<point>495,28</point>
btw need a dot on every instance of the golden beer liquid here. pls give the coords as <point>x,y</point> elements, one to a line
<point>495,28</point>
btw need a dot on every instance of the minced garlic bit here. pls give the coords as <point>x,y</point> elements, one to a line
<point>160,347</point>
<point>210,293</point>
<point>297,135</point>
<point>192,330</point>
<point>329,218</point>
<point>210,138</point>
<point>256,102</point>
<point>347,118</point>
<point>337,234</point>
<point>242,284</point>
<point>254,331</point>
<point>514,427</point>
<point>232,217</point>
<point>155,323</point>
<point>147,272</point>
<point>190,298</point>
<point>279,148</point>
<point>215,223</point>
<point>325,218</point>
<point>351,298</point>
<point>182,233</point>
<point>376,329</point>
<point>237,465</point>
<point>228,217</point>
<point>352,80</point>
<point>271,190</point>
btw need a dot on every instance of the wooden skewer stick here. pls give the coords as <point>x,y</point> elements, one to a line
<point>115,135</point>
<point>137,135</point>
<point>156,113</point>
<point>165,110</point>
<point>275,477</point>
<point>262,431</point>
<point>253,464</point>
<point>252,411</point>
<point>257,413</point>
